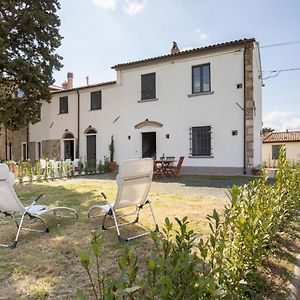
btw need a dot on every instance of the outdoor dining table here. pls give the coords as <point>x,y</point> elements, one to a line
<point>161,166</point>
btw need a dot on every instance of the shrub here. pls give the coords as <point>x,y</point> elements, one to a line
<point>222,265</point>
<point>37,170</point>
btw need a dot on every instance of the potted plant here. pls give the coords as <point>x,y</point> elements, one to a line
<point>257,171</point>
<point>112,166</point>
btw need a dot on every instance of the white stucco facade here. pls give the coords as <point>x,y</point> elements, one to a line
<point>175,108</point>
<point>292,153</point>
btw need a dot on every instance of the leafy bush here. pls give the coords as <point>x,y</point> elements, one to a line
<point>222,265</point>
<point>38,170</point>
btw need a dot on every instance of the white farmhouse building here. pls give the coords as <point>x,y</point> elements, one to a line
<point>204,104</point>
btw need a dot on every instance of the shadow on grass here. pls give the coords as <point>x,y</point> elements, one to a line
<point>278,269</point>
<point>210,181</point>
<point>47,264</point>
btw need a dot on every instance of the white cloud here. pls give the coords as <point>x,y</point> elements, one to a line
<point>106,4</point>
<point>201,36</point>
<point>130,7</point>
<point>280,120</point>
<point>133,7</point>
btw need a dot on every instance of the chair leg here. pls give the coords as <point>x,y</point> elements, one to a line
<point>153,216</point>
<point>117,226</point>
<point>19,228</point>
<point>103,222</point>
<point>120,238</point>
<point>42,221</point>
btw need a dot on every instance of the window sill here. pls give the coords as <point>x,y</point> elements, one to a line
<point>63,113</point>
<point>201,156</point>
<point>95,109</point>
<point>147,100</point>
<point>200,94</point>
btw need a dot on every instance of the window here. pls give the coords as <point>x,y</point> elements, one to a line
<point>96,100</point>
<point>200,141</point>
<point>275,151</point>
<point>24,151</point>
<point>63,105</point>
<point>201,79</point>
<point>148,86</point>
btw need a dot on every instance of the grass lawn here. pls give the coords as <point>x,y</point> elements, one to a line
<point>47,266</point>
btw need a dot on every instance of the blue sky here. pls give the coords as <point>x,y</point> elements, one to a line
<point>101,33</point>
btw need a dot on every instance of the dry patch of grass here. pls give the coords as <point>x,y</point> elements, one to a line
<point>277,270</point>
<point>47,265</point>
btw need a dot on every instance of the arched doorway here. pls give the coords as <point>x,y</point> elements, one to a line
<point>91,148</point>
<point>149,140</point>
<point>69,146</point>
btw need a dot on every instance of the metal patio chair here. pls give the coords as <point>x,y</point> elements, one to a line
<point>11,207</point>
<point>134,180</point>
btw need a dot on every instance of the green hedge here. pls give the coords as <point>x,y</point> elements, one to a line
<point>222,265</point>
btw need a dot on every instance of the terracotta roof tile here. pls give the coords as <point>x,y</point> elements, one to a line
<point>285,136</point>
<point>184,53</point>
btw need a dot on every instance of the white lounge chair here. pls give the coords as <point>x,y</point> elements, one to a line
<point>134,180</point>
<point>10,206</point>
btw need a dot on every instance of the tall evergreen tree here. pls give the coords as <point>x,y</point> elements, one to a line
<point>29,37</point>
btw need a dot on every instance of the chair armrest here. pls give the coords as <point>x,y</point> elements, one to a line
<point>103,195</point>
<point>39,197</point>
<point>106,199</point>
<point>35,201</point>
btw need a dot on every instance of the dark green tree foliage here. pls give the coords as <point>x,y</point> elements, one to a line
<point>29,38</point>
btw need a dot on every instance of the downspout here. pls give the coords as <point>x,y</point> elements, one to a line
<point>6,155</point>
<point>244,121</point>
<point>78,123</point>
<point>27,140</point>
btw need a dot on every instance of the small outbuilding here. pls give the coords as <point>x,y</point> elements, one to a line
<point>274,140</point>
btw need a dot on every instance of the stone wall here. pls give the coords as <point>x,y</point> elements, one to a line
<point>2,143</point>
<point>31,149</point>
<point>51,149</point>
<point>13,138</point>
<point>249,110</point>
<point>17,138</point>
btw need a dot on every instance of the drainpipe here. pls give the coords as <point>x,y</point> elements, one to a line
<point>78,123</point>
<point>244,140</point>
<point>27,140</point>
<point>6,144</point>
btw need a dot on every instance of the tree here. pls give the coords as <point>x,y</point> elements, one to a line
<point>29,38</point>
<point>266,130</point>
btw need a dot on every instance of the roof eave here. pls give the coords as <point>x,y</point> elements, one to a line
<point>192,52</point>
<point>85,87</point>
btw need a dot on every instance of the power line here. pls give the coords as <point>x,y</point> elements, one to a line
<point>281,44</point>
<point>275,73</point>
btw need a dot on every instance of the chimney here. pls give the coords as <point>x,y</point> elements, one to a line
<point>175,48</point>
<point>87,80</point>
<point>69,83</point>
<point>70,80</point>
